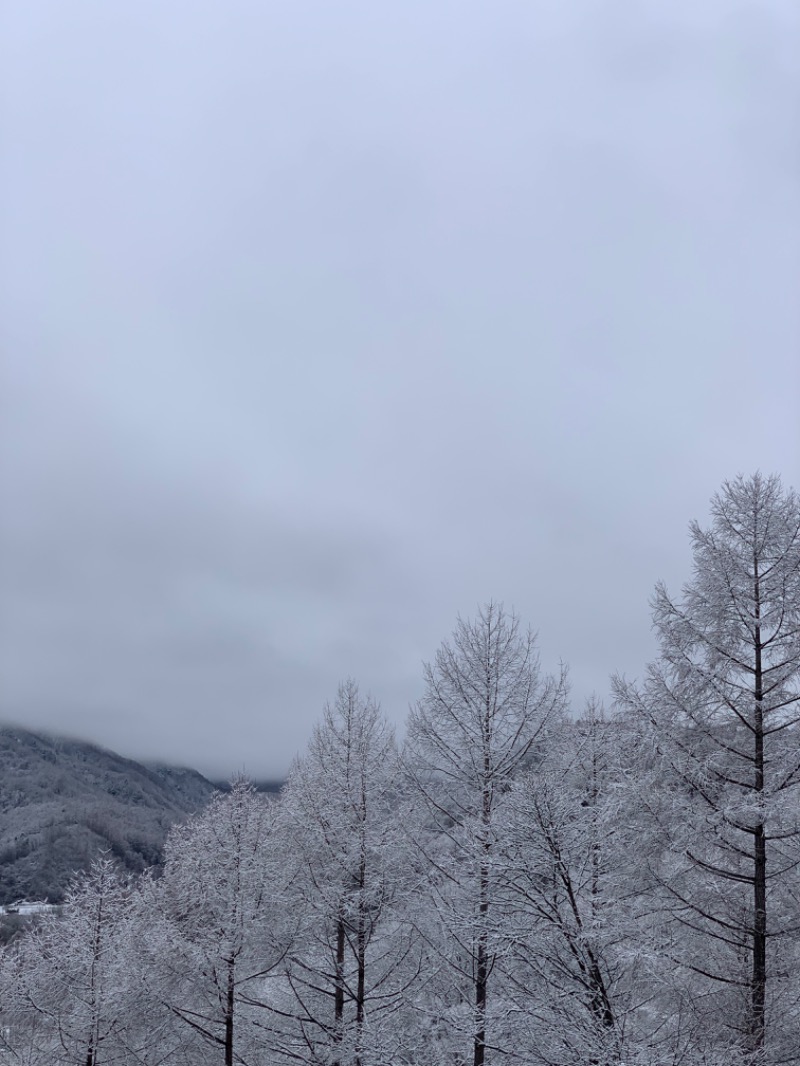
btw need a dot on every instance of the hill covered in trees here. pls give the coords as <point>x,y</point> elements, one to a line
<point>65,802</point>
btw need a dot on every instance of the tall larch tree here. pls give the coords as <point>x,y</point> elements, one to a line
<point>721,706</point>
<point>350,959</point>
<point>486,709</point>
<point>216,931</point>
<point>71,999</point>
<point>569,926</point>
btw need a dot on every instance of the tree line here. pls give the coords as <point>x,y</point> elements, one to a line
<point>513,885</point>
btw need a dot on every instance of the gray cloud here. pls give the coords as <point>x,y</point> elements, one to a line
<point>324,323</point>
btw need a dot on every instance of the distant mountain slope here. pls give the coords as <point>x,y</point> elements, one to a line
<point>62,802</point>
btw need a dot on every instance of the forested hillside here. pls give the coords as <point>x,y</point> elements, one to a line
<point>64,802</point>
<point>517,884</point>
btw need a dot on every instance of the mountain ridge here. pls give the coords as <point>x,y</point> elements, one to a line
<point>64,801</point>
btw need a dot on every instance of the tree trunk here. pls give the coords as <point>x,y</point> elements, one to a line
<point>481,983</point>
<point>229,1008</point>
<point>759,978</point>
<point>338,995</point>
<point>482,957</point>
<point>361,953</point>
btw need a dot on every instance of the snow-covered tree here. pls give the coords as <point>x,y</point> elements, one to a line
<point>486,712</point>
<point>583,966</point>
<point>70,998</point>
<point>215,928</point>
<point>351,956</point>
<point>720,710</point>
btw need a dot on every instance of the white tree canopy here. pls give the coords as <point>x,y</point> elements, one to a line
<point>721,707</point>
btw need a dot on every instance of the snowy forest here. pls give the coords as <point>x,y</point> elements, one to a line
<point>519,881</point>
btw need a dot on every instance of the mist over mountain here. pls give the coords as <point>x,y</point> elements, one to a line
<point>63,802</point>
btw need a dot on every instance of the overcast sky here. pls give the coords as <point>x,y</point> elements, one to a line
<point>323,323</point>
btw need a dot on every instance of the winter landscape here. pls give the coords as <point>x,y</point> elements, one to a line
<point>399,533</point>
<point>512,884</point>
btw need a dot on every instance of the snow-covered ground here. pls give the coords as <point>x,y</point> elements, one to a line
<point>26,908</point>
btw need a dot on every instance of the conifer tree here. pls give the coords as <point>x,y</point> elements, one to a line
<point>71,999</point>
<point>485,714</point>
<point>215,930</point>
<point>351,956</point>
<point>721,709</point>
